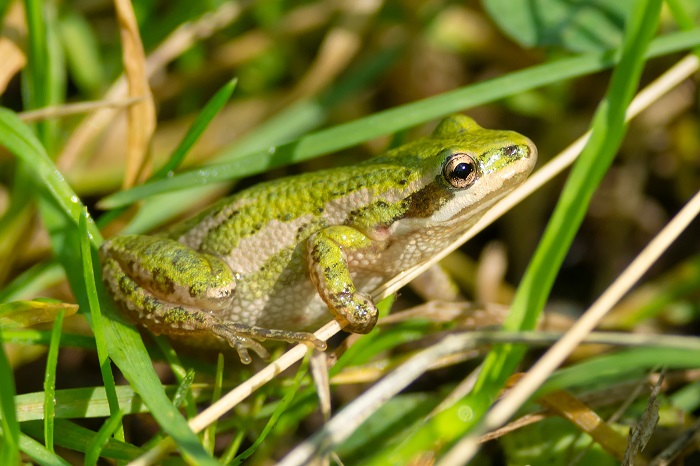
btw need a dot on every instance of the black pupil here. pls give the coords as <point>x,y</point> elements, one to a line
<point>463,170</point>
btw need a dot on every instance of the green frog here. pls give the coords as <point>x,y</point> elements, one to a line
<point>271,261</point>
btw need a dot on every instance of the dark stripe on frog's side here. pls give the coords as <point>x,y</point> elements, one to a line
<point>162,284</point>
<point>421,204</point>
<point>376,215</point>
<point>428,200</point>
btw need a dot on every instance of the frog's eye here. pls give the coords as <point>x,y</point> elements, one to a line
<point>460,170</point>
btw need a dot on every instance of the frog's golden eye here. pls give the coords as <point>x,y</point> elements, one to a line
<point>460,170</point>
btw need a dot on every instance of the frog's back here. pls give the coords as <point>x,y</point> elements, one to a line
<point>290,209</point>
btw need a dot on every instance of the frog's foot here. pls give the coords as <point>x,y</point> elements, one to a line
<point>240,344</point>
<point>240,336</point>
<point>355,312</point>
<point>330,273</point>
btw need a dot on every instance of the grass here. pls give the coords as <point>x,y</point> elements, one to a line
<point>363,100</point>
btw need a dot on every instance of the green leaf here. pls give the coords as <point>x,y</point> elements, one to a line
<point>17,314</point>
<point>578,25</point>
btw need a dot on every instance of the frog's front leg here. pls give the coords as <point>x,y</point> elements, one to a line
<point>330,273</point>
<point>170,288</point>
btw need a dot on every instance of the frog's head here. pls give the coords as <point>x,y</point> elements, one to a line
<point>465,170</point>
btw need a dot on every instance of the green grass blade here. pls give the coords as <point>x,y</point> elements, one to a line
<point>113,425</point>
<point>129,353</point>
<point>96,314</point>
<point>181,374</point>
<point>620,366</point>
<point>45,80</point>
<point>80,45</point>
<point>43,337</point>
<point>285,125</point>
<point>681,15</point>
<point>306,115</point>
<point>20,140</point>
<point>395,119</point>
<point>39,453</point>
<point>50,381</point>
<point>78,438</point>
<point>607,133</point>
<point>210,110</point>
<point>37,57</point>
<point>210,431</point>
<point>9,448</point>
<point>184,388</point>
<point>87,402</point>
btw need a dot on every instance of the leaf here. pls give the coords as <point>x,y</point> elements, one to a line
<point>18,314</point>
<point>575,25</point>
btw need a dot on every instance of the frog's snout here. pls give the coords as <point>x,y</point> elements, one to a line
<point>532,150</point>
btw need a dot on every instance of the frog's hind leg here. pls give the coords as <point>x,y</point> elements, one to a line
<point>196,326</point>
<point>182,293</point>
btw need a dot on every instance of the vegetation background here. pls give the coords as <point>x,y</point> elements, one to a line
<point>187,101</point>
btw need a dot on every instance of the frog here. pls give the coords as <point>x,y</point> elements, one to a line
<point>278,260</point>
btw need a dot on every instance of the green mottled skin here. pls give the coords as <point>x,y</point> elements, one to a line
<point>270,261</point>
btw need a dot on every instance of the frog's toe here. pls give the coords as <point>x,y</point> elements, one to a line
<point>358,314</point>
<point>240,343</point>
<point>243,344</point>
<point>281,335</point>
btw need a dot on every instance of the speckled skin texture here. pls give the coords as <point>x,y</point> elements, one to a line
<point>270,261</point>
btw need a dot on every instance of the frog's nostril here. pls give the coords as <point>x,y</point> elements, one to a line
<point>510,151</point>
